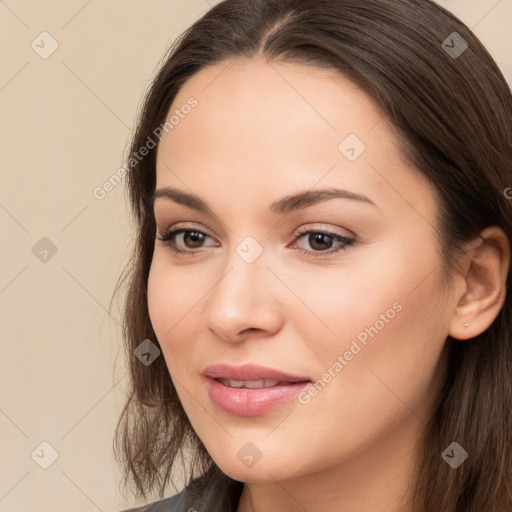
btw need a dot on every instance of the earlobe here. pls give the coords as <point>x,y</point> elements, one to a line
<point>485,285</point>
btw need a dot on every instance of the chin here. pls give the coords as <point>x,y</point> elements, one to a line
<point>262,471</point>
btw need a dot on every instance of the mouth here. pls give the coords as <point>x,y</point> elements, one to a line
<point>256,384</point>
<point>251,390</point>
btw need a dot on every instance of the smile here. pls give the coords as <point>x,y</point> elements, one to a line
<point>253,384</point>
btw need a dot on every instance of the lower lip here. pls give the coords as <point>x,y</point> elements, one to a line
<point>251,402</point>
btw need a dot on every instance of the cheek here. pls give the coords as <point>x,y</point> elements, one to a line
<point>160,299</point>
<point>171,295</point>
<point>175,299</point>
<point>339,304</point>
<point>386,382</point>
<point>383,313</point>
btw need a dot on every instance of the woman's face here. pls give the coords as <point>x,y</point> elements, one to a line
<point>364,321</point>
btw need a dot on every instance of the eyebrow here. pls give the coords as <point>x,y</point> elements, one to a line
<point>282,206</point>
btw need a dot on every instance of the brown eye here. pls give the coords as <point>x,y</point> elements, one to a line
<point>195,238</point>
<point>321,241</point>
<point>190,239</point>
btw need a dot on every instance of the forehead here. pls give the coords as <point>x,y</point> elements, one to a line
<point>279,126</point>
<point>265,104</point>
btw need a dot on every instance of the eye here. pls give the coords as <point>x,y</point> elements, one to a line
<point>191,238</point>
<point>318,239</point>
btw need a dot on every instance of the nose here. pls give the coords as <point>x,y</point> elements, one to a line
<point>243,302</point>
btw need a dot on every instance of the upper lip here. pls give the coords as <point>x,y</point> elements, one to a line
<point>250,372</point>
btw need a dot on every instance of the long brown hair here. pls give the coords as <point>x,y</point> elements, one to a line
<point>452,109</point>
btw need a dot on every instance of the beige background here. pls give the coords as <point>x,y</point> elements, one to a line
<point>66,121</point>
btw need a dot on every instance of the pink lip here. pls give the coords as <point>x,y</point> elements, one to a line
<point>256,401</point>
<point>250,372</point>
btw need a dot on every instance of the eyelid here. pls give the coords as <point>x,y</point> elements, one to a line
<point>319,226</point>
<point>183,225</point>
<point>322,226</point>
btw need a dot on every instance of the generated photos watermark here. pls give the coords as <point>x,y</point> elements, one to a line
<point>174,120</point>
<point>342,361</point>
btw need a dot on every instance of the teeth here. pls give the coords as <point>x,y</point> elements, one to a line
<point>250,384</point>
<point>233,383</point>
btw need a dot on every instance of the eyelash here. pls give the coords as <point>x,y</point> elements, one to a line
<point>169,239</point>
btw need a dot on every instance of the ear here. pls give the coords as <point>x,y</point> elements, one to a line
<point>483,284</point>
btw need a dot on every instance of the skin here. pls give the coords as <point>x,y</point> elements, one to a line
<point>260,132</point>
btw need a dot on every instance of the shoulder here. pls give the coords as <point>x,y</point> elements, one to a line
<point>166,505</point>
<point>212,491</point>
<point>172,504</point>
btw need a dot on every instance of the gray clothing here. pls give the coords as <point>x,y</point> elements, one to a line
<point>212,492</point>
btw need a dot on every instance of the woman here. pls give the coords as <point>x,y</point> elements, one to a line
<point>317,315</point>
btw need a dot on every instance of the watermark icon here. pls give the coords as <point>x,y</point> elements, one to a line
<point>314,388</point>
<point>249,455</point>
<point>44,45</point>
<point>44,455</point>
<point>454,45</point>
<point>249,249</point>
<point>147,352</point>
<point>352,147</point>
<point>44,250</point>
<point>454,455</point>
<point>174,120</point>
<point>508,192</point>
